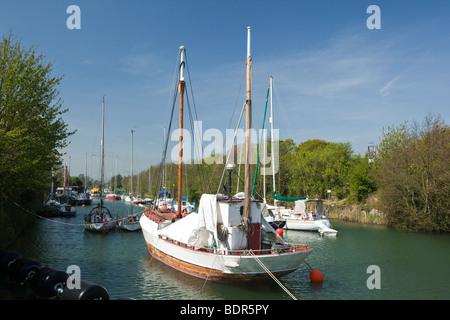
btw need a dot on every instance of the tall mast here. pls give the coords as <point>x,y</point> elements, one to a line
<point>131,188</point>
<point>149,180</point>
<point>271,137</point>
<point>181,85</point>
<point>248,125</point>
<point>164,164</point>
<point>115,177</point>
<point>85,177</point>
<point>102,153</point>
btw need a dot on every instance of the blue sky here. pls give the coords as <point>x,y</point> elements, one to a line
<point>335,79</point>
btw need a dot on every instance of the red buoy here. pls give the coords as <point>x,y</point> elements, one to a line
<point>280,231</point>
<point>316,276</point>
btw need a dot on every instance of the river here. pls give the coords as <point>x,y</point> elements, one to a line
<point>411,266</point>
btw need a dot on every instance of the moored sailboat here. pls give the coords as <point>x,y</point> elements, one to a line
<point>64,196</point>
<point>100,218</point>
<point>308,214</point>
<point>130,222</point>
<point>228,240</point>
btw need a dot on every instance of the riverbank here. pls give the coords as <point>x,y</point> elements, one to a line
<point>359,214</point>
<point>365,213</point>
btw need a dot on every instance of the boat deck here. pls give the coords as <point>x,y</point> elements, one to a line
<point>160,216</point>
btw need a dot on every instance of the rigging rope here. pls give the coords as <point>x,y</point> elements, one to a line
<point>231,149</point>
<point>260,142</point>
<point>192,119</point>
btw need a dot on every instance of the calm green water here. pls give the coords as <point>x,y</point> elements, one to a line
<point>412,266</point>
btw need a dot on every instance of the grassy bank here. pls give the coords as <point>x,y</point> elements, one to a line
<point>358,214</point>
<point>361,213</point>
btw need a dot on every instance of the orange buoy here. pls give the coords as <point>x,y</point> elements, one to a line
<point>280,231</point>
<point>316,276</point>
<point>83,206</point>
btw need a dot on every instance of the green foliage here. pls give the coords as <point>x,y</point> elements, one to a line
<point>31,129</point>
<point>320,166</point>
<point>360,179</point>
<point>391,140</point>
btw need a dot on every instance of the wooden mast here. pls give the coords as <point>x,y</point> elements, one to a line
<point>248,125</point>
<point>181,85</point>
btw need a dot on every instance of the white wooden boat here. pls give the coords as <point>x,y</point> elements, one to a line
<point>215,243</point>
<point>228,240</point>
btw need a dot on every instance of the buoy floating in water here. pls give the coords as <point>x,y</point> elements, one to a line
<point>280,232</point>
<point>316,276</point>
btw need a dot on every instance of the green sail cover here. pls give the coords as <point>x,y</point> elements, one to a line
<point>276,196</point>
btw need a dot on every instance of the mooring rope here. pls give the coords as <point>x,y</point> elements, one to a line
<point>271,274</point>
<point>56,221</point>
<point>209,273</point>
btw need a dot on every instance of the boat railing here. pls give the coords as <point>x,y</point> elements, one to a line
<point>282,249</point>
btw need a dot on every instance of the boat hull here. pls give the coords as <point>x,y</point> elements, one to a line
<point>130,223</point>
<point>100,227</point>
<point>99,219</point>
<point>219,267</point>
<point>66,210</point>
<point>306,225</point>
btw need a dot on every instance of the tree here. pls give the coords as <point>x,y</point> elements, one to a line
<point>319,166</point>
<point>391,139</point>
<point>361,180</point>
<point>31,127</point>
<point>414,176</point>
<point>286,166</point>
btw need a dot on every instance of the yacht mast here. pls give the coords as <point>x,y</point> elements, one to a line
<point>131,187</point>
<point>181,85</point>
<point>102,155</point>
<point>272,138</point>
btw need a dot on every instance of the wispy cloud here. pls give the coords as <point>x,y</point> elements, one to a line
<point>344,66</point>
<point>141,64</point>
<point>387,88</point>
